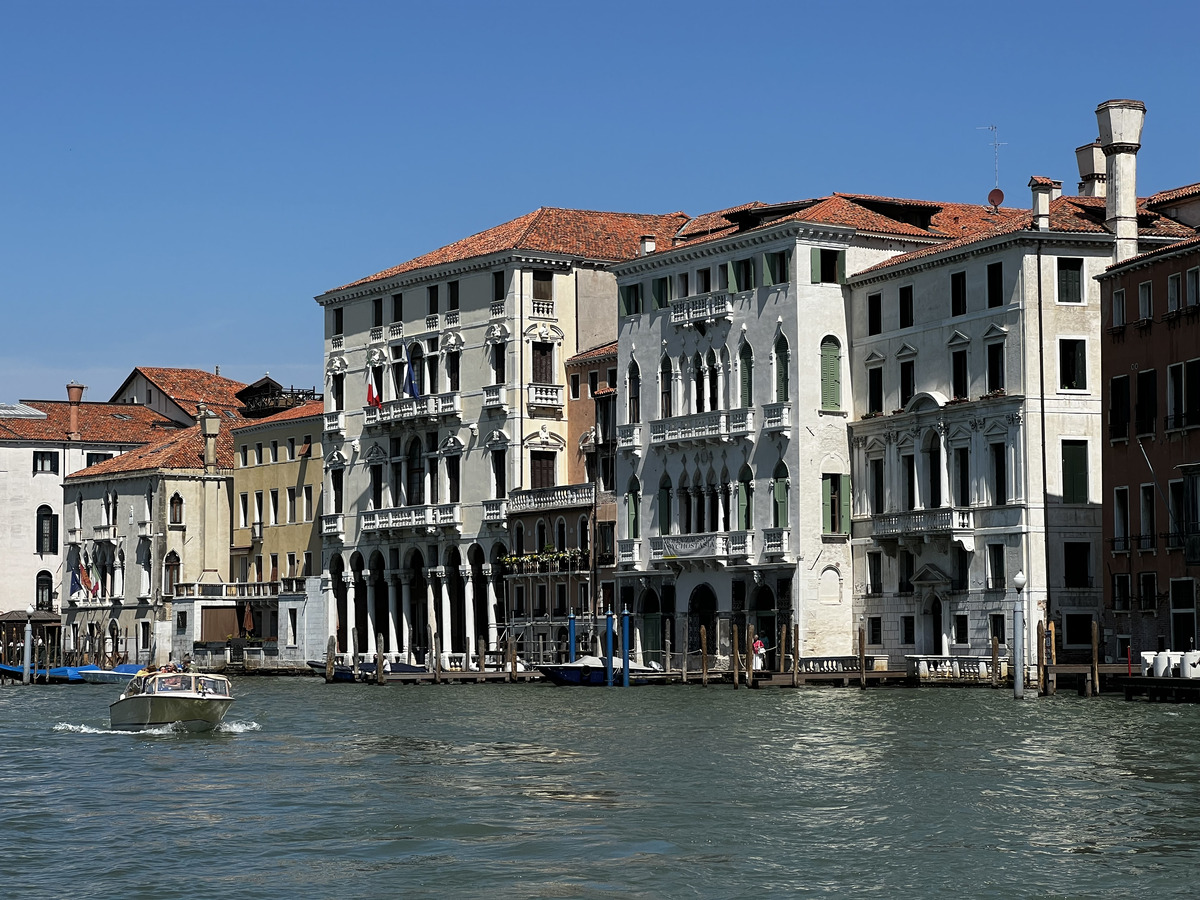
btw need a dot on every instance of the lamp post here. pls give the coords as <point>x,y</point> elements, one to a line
<point>1019,637</point>
<point>25,668</point>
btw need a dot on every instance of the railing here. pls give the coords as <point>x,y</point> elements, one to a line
<point>252,589</point>
<point>104,532</point>
<point>1119,544</point>
<point>698,427</point>
<point>701,308</point>
<point>1145,425</point>
<point>377,335</point>
<point>776,541</point>
<point>545,395</point>
<point>943,519</point>
<point>820,665</point>
<point>333,525</point>
<point>629,437</point>
<point>629,552</point>
<point>334,422</point>
<point>337,342</point>
<point>741,423</point>
<point>1118,431</point>
<point>777,416</point>
<point>74,535</point>
<point>293,585</point>
<point>495,396</point>
<point>1144,541</point>
<point>497,310</point>
<point>543,309</point>
<point>452,319</point>
<point>970,669</point>
<point>431,322</point>
<point>1121,600</point>
<point>401,517</point>
<point>396,331</point>
<point>495,512</point>
<point>715,545</point>
<point>1077,581</point>
<point>432,406</point>
<point>199,589</point>
<point>559,497</point>
<point>1148,601</point>
<point>1172,540</point>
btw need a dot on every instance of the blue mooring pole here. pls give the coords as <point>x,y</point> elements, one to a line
<point>571,636</point>
<point>625,647</point>
<point>608,657</point>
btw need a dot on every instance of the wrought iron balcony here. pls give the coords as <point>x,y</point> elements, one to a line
<point>563,496</point>
<point>701,308</point>
<point>719,546</point>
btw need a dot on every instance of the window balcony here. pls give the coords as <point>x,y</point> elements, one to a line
<point>548,396</point>
<point>337,342</point>
<point>954,522</point>
<point>495,512</point>
<point>687,311</point>
<point>377,335</point>
<point>698,428</point>
<point>542,309</point>
<point>741,424</point>
<point>776,541</point>
<point>452,319</point>
<point>145,529</point>
<point>245,589</point>
<point>401,518</point>
<point>629,552</point>
<point>396,331</point>
<point>564,496</point>
<point>335,422</point>
<point>722,547</point>
<point>74,535</point>
<point>629,437</point>
<point>256,531</point>
<point>333,526</point>
<point>1118,431</point>
<point>431,322</point>
<point>432,407</point>
<point>498,310</point>
<point>777,417</point>
<point>495,396</point>
<point>1145,542</point>
<point>104,533</point>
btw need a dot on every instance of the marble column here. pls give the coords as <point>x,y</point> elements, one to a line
<point>391,624</point>
<point>330,608</point>
<point>490,593</point>
<point>468,613</point>
<point>351,611</point>
<point>406,617</point>
<point>372,599</point>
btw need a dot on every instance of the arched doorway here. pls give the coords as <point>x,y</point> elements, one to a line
<point>455,630</point>
<point>936,645</point>
<point>380,616</point>
<point>652,627</point>
<point>763,618</point>
<point>418,606</point>
<point>358,637</point>
<point>337,571</point>
<point>702,611</point>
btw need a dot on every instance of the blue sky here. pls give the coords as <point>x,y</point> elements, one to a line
<point>181,179</point>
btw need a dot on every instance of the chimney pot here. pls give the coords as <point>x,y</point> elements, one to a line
<point>1120,124</point>
<point>74,397</point>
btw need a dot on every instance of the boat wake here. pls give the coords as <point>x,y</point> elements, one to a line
<point>223,728</point>
<point>237,727</point>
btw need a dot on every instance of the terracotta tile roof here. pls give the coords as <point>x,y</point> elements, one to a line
<point>105,423</point>
<point>604,350</point>
<point>1169,250</point>
<point>582,233</point>
<point>1044,181</point>
<point>711,224</point>
<point>182,450</point>
<point>1179,193</point>
<point>311,409</point>
<point>190,387</point>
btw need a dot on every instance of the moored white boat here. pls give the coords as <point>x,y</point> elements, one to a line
<point>116,675</point>
<point>590,671</point>
<point>197,702</point>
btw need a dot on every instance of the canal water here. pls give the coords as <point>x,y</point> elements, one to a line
<point>314,790</point>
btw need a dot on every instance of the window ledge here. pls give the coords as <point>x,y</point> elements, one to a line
<point>833,412</point>
<point>835,538</point>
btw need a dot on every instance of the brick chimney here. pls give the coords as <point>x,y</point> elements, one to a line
<point>1091,169</point>
<point>74,397</point>
<point>1120,139</point>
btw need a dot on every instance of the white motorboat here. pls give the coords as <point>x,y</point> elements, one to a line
<point>197,702</point>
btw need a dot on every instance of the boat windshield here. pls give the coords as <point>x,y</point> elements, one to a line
<point>170,683</point>
<point>213,686</point>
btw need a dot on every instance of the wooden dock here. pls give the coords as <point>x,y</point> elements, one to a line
<point>1160,690</point>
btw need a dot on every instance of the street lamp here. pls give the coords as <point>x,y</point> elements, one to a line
<point>25,659</point>
<point>1019,637</point>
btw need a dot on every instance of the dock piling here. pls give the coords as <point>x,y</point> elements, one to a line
<point>704,656</point>
<point>862,659</point>
<point>737,657</point>
<point>330,653</point>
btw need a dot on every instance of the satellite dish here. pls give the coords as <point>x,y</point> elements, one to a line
<point>995,197</point>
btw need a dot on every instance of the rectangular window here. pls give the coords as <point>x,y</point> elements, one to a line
<point>1175,514</point>
<point>452,478</point>
<point>543,285</point>
<point>703,281</point>
<point>1173,285</point>
<point>875,390</point>
<point>1120,590</point>
<point>452,296</point>
<point>1077,630</point>
<point>1077,564</point>
<point>377,312</point>
<point>1175,417</point>
<point>958,374</point>
<point>1120,540</point>
<point>682,288</point>
<point>574,385</point>
<point>906,306</point>
<point>1118,408</point>
<point>741,275</point>
<point>308,566</point>
<point>47,538</point>
<point>1191,393</point>
<point>593,383</point>
<point>258,454</point>
<point>999,474</point>
<point>995,285</point>
<point>835,503</point>
<point>499,474</point>
<point>908,630</point>
<point>874,630</point>
<point>308,503</point>
<point>1146,300</point>
<point>874,572</point>
<point>996,580</point>
<point>777,268</point>
<point>1118,309</point>
<point>336,480</point>
<point>1193,287</point>
<point>243,510</point>
<point>874,313</point>
<point>1146,536</point>
<point>961,630</point>
<point>877,492</point>
<point>630,297</point>
<point>958,293</point>
<point>962,471</point>
<point>1075,471</point>
<point>306,447</point>
<point>431,299</point>
<point>995,367</point>
<point>339,321</point>
<point>1072,364</point>
<point>1145,413</point>
<point>499,355</point>
<point>93,458</point>
<point>258,506</point>
<point>1070,280</point>
<point>1148,590</point>
<point>908,381</point>
<point>543,362</point>
<point>397,307</point>
<point>291,505</point>
<point>274,451</point>
<point>904,566</point>
<point>828,266</point>
<point>996,627</point>
<point>660,292</point>
<point>499,289</point>
<point>291,449</point>
<point>542,469</point>
<point>45,461</point>
<point>274,520</point>
<point>908,466</point>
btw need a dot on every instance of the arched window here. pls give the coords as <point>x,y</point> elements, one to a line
<point>45,591</point>
<point>698,379</point>
<point>779,497</point>
<point>584,536</point>
<point>47,530</point>
<point>746,371</point>
<point>635,393</point>
<point>745,510</point>
<point>414,385</point>
<point>633,505</point>
<point>519,539</point>
<point>781,369</point>
<point>415,493</point>
<point>176,509</point>
<point>560,535</point>
<point>831,373</point>
<point>665,407</point>
<point>713,395</point>
<point>664,505</point>
<point>170,573</point>
<point>542,541</point>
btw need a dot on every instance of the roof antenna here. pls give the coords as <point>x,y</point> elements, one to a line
<point>995,196</point>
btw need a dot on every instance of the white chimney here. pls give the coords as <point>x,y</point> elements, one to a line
<point>1120,139</point>
<point>1044,190</point>
<point>210,426</point>
<point>647,244</point>
<point>1091,169</point>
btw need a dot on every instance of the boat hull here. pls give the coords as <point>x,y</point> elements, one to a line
<point>591,672</point>
<point>192,713</point>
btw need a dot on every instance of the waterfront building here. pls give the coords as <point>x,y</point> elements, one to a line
<point>41,443</point>
<point>734,392</point>
<point>977,434</point>
<point>446,394</point>
<point>1151,384</point>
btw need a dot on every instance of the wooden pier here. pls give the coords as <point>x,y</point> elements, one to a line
<point>1160,690</point>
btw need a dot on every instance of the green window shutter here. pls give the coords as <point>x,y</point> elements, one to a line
<point>844,493</point>
<point>781,498</point>
<point>841,267</point>
<point>831,390</point>
<point>815,264</point>
<point>623,301</point>
<point>634,512</point>
<point>826,504</point>
<point>664,511</point>
<point>731,276</point>
<point>747,381</point>
<point>743,514</point>
<point>764,262</point>
<point>781,374</point>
